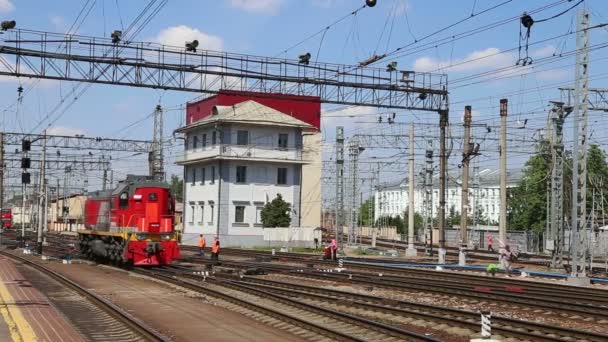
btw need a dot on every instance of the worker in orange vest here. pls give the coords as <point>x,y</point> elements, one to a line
<point>201,245</point>
<point>215,249</point>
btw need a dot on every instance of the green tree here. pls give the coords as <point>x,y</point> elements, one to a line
<point>176,187</point>
<point>392,221</point>
<point>453,217</point>
<point>276,213</point>
<point>527,202</point>
<point>480,216</point>
<point>418,221</point>
<point>364,213</point>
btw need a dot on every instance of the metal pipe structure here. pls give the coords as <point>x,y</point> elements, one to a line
<point>464,202</point>
<point>578,274</point>
<point>502,228</point>
<point>443,161</point>
<point>411,249</point>
<point>42,210</point>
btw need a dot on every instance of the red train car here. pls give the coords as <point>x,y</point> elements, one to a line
<point>6,218</point>
<point>132,224</point>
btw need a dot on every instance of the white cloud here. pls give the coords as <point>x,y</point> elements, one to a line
<point>63,130</point>
<point>347,115</point>
<point>58,22</point>
<point>258,6</point>
<point>325,3</point>
<point>553,75</point>
<point>545,51</point>
<point>6,6</point>
<point>179,35</point>
<point>476,60</point>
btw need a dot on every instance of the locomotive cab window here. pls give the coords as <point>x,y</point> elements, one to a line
<point>153,197</point>
<point>123,200</point>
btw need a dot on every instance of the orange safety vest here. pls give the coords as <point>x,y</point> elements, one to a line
<point>215,247</point>
<point>202,243</point>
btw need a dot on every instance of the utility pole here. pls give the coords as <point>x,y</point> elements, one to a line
<point>502,229</point>
<point>555,241</point>
<point>578,275</point>
<point>411,249</point>
<point>443,161</point>
<point>339,183</point>
<point>46,204</point>
<point>428,198</point>
<point>464,202</point>
<point>41,206</point>
<point>475,201</point>
<point>158,167</point>
<point>104,179</point>
<point>354,150</point>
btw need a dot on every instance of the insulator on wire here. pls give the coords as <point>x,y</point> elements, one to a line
<point>526,20</point>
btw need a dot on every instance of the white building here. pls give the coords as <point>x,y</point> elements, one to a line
<point>392,199</point>
<point>236,160</point>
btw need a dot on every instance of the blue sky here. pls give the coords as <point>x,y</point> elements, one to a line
<point>268,27</point>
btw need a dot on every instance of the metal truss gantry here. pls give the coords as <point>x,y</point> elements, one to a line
<point>79,142</point>
<point>28,53</point>
<point>60,164</point>
<point>597,99</point>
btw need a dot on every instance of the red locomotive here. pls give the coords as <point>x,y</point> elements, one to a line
<point>131,225</point>
<point>6,218</point>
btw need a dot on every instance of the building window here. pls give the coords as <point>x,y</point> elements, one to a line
<point>193,176</point>
<point>213,138</point>
<point>202,216</point>
<point>192,212</point>
<point>241,174</point>
<point>204,141</point>
<point>195,142</point>
<point>203,171</point>
<point>282,176</point>
<point>242,137</point>
<point>258,215</point>
<point>123,200</point>
<point>212,175</point>
<point>283,139</point>
<point>211,213</point>
<point>239,214</point>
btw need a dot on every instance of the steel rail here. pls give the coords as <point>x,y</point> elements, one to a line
<point>115,311</point>
<point>371,325</point>
<point>501,325</point>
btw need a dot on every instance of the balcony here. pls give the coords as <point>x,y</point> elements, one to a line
<point>241,152</point>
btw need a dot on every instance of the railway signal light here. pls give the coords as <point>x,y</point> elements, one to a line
<point>25,178</point>
<point>191,46</point>
<point>116,36</point>
<point>304,59</point>
<point>26,145</point>
<point>26,163</point>
<point>8,24</point>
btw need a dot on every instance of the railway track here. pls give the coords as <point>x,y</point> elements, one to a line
<point>566,300</point>
<point>393,312</point>
<point>96,318</point>
<point>398,311</point>
<point>510,284</point>
<point>317,321</point>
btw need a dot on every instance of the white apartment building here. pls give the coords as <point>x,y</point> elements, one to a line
<point>392,199</point>
<point>235,161</point>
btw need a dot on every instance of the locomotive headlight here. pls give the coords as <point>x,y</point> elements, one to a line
<point>141,236</point>
<point>166,236</point>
